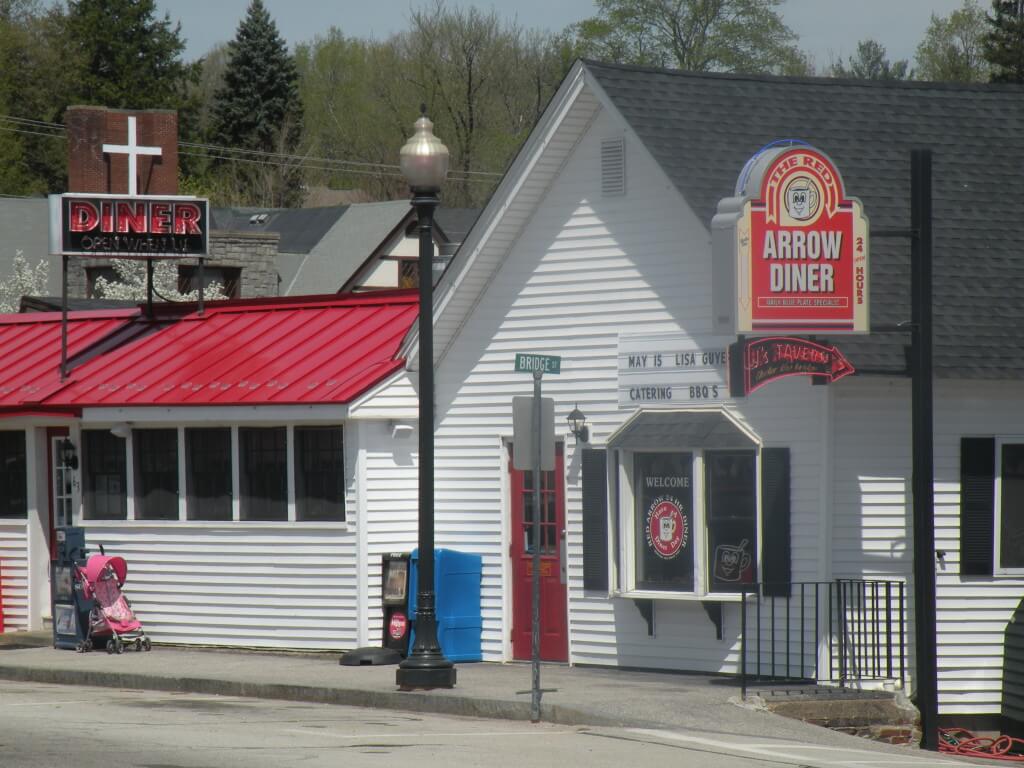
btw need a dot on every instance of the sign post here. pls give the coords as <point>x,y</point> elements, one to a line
<point>537,365</point>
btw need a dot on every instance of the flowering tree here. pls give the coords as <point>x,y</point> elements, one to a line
<point>131,283</point>
<point>25,280</point>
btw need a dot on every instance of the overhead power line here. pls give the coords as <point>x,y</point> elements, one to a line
<point>43,129</point>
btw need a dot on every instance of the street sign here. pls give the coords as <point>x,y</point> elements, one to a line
<point>755,362</point>
<point>523,440</point>
<point>533,363</point>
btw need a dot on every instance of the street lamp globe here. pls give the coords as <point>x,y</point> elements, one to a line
<point>424,158</point>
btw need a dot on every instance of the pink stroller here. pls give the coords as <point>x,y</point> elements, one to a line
<point>111,616</point>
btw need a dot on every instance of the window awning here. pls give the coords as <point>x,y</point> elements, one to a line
<point>703,428</point>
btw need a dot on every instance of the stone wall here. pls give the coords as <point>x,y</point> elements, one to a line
<point>254,252</point>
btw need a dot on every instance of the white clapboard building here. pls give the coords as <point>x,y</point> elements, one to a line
<point>597,248</point>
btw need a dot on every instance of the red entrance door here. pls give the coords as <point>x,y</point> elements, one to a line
<point>554,620</point>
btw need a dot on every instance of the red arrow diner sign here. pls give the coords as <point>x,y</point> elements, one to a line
<point>799,245</point>
<point>755,362</point>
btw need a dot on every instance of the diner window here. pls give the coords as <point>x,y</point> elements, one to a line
<point>730,510</point>
<point>230,279</point>
<point>104,481</point>
<point>686,503</point>
<point>156,474</point>
<point>92,274</point>
<point>263,468</point>
<point>208,473</point>
<point>319,474</point>
<point>13,475</point>
<point>663,520</point>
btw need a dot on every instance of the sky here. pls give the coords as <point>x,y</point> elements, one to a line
<point>828,29</point>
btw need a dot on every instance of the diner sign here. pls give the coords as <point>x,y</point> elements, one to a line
<point>790,249</point>
<point>142,226</point>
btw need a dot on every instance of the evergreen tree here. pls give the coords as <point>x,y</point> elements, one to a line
<point>121,55</point>
<point>1004,43</point>
<point>258,109</point>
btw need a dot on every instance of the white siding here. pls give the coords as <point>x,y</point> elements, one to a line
<point>391,503</point>
<point>14,599</point>
<point>873,531</point>
<point>585,269</point>
<point>270,586</point>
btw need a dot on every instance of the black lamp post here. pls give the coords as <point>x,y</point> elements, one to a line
<point>424,163</point>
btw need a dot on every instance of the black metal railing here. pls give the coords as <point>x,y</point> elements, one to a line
<point>844,631</point>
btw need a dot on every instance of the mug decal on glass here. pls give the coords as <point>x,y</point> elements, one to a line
<point>731,560</point>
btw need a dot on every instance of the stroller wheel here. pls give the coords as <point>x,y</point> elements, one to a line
<point>110,645</point>
<point>146,645</point>
<point>118,646</point>
<point>138,644</point>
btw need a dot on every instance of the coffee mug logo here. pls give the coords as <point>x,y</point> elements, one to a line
<point>731,560</point>
<point>667,527</point>
<point>802,198</point>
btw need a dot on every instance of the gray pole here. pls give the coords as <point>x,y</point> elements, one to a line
<point>537,518</point>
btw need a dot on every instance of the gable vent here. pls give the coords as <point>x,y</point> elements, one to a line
<point>613,167</point>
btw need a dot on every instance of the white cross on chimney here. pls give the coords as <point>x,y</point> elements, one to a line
<point>133,151</point>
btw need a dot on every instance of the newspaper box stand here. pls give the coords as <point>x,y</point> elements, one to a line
<point>70,608</point>
<point>395,597</point>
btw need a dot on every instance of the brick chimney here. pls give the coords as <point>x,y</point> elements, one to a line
<point>101,148</point>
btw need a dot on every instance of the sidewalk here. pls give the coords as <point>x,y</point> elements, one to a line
<point>571,695</point>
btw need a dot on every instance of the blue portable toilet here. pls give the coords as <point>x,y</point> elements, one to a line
<point>457,598</point>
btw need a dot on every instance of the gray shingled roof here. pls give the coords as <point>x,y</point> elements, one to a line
<point>703,128</point>
<point>300,228</point>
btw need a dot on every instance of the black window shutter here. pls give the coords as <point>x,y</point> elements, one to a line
<point>977,505</point>
<point>595,520</point>
<point>775,548</point>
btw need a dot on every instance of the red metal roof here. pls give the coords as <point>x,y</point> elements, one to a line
<point>301,350</point>
<point>30,351</point>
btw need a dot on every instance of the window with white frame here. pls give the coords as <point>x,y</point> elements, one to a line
<point>319,473</point>
<point>104,476</point>
<point>13,477</point>
<point>210,474</point>
<point>156,473</point>
<point>1009,498</point>
<point>263,472</point>
<point>691,520</point>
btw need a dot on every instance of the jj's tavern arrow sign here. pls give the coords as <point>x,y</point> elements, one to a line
<point>754,363</point>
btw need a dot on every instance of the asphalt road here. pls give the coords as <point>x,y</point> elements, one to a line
<point>51,726</point>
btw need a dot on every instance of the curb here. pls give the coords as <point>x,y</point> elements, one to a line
<point>408,701</point>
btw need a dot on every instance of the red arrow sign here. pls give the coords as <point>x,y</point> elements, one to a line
<point>756,362</point>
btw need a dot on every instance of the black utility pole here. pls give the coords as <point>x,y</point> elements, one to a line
<point>922,413</point>
<point>922,425</point>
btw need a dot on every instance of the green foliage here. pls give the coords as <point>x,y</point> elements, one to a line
<point>121,55</point>
<point>870,63</point>
<point>485,84</point>
<point>952,47</point>
<point>257,107</point>
<point>113,53</point>
<point>745,36</point>
<point>1004,43</point>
